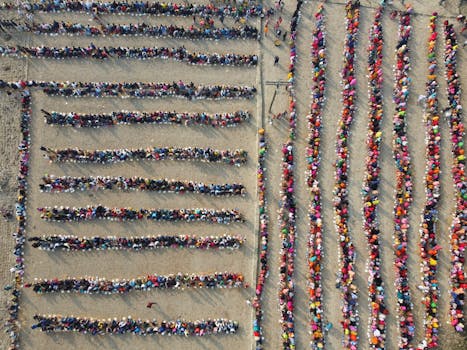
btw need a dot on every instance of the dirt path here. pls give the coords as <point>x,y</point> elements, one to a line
<point>9,129</point>
<point>10,69</point>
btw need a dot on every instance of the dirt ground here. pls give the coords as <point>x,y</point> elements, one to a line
<point>10,69</point>
<point>196,304</point>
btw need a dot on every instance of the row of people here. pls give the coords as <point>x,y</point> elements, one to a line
<point>288,208</point>
<point>134,89</point>
<point>76,155</point>
<point>12,324</point>
<point>75,243</point>
<point>138,8</point>
<point>458,279</point>
<point>180,54</point>
<point>53,323</point>
<point>313,159</point>
<point>160,31</point>
<point>428,242</point>
<point>98,285</point>
<point>94,120</point>
<point>99,212</point>
<point>370,191</point>
<point>345,280</point>
<point>263,270</point>
<point>287,224</point>
<point>52,183</point>
<point>153,90</point>
<point>403,189</point>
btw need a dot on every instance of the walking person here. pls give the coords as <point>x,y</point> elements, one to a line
<point>150,304</point>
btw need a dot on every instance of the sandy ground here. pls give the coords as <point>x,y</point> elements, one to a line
<point>8,161</point>
<point>10,69</point>
<point>195,304</point>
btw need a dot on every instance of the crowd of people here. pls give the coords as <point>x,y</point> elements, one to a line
<point>153,90</point>
<point>141,29</point>
<point>403,188</point>
<point>179,54</point>
<point>12,325</point>
<point>94,120</point>
<point>99,212</point>
<point>51,183</point>
<point>140,90</point>
<point>345,280</point>
<point>74,243</point>
<point>370,191</point>
<point>109,156</point>
<point>67,89</point>
<point>53,323</point>
<point>313,159</point>
<point>457,278</point>
<point>263,269</point>
<point>428,243</point>
<point>138,8</point>
<point>429,248</point>
<point>98,285</point>
<point>287,211</point>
